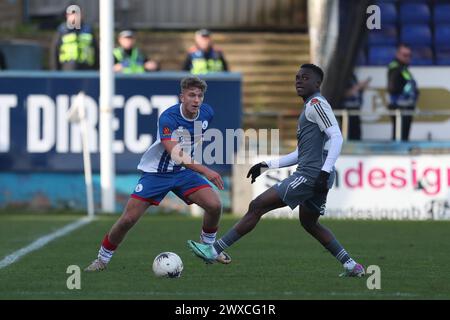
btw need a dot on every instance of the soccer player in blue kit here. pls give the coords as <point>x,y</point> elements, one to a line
<point>308,186</point>
<point>169,165</point>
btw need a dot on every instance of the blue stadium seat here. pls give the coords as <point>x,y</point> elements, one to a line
<point>387,35</point>
<point>443,55</point>
<point>388,13</point>
<point>416,34</point>
<point>361,58</point>
<point>381,55</point>
<point>422,56</point>
<point>441,13</point>
<point>442,34</point>
<point>414,13</point>
<point>22,54</point>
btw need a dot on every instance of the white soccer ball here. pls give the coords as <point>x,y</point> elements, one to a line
<point>167,264</point>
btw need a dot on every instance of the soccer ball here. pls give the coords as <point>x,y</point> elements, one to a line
<point>167,264</point>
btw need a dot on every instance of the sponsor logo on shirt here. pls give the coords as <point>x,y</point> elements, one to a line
<point>166,130</point>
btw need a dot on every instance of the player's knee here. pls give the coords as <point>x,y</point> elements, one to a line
<point>214,207</point>
<point>307,224</point>
<point>255,208</point>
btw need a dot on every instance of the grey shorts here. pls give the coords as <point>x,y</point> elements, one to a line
<point>294,191</point>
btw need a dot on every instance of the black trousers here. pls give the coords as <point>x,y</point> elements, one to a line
<point>406,123</point>
<point>354,128</point>
<point>354,125</point>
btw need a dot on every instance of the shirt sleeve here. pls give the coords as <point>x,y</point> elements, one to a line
<point>285,161</point>
<point>335,136</point>
<point>211,114</point>
<point>166,127</point>
<point>319,111</point>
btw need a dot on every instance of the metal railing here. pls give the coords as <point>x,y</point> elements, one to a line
<point>280,116</point>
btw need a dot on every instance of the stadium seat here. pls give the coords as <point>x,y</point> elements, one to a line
<point>416,34</point>
<point>442,34</point>
<point>414,13</point>
<point>422,56</point>
<point>387,35</point>
<point>443,55</point>
<point>381,55</point>
<point>361,58</point>
<point>388,13</point>
<point>441,13</point>
<point>22,54</point>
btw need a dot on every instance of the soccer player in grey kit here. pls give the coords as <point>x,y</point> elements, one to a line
<point>307,186</point>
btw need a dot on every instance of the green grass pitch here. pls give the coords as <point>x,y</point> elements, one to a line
<point>278,260</point>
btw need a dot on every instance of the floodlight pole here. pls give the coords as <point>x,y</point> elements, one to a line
<point>107,165</point>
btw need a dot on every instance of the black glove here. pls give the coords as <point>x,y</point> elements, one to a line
<point>321,184</point>
<point>255,171</point>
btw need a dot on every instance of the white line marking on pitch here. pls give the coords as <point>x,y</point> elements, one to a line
<point>42,241</point>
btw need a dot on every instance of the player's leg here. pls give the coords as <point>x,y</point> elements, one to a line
<point>267,201</point>
<point>133,211</point>
<point>209,201</point>
<point>309,219</point>
<point>150,190</point>
<point>193,188</point>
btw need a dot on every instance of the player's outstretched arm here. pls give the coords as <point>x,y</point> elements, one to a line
<point>177,154</point>
<point>285,161</point>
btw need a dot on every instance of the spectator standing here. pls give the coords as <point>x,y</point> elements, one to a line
<point>353,101</point>
<point>128,58</point>
<point>204,57</point>
<point>75,46</point>
<point>402,88</point>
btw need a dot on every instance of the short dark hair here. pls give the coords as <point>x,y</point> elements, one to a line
<point>402,44</point>
<point>316,69</point>
<point>193,82</point>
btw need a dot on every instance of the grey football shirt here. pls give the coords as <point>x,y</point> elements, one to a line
<point>317,116</point>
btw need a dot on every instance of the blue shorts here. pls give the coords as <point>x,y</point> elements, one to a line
<point>153,186</point>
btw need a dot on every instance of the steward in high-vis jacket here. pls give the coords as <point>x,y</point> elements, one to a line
<point>75,46</point>
<point>204,57</point>
<point>128,59</point>
<point>402,88</point>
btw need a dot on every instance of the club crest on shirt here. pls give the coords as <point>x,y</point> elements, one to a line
<point>314,101</point>
<point>139,188</point>
<point>204,125</point>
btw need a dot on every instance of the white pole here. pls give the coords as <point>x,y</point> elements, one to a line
<point>86,155</point>
<point>398,125</point>
<point>107,167</point>
<point>345,124</point>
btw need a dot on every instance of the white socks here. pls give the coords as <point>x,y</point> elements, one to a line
<point>349,264</point>
<point>208,238</point>
<point>104,255</point>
